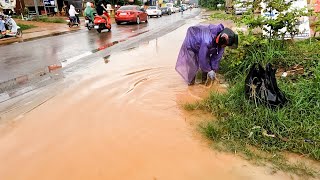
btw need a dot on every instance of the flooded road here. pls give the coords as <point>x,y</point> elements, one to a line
<point>118,119</point>
<point>27,57</point>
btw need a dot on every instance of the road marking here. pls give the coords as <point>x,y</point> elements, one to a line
<point>4,97</point>
<point>74,59</point>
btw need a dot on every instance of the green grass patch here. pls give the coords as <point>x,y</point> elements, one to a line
<point>51,19</point>
<point>293,128</point>
<point>26,26</point>
<point>236,63</point>
<point>222,15</point>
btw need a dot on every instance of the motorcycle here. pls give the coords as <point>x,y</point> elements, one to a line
<point>89,23</point>
<point>72,21</point>
<point>18,34</point>
<point>101,24</point>
<point>9,23</point>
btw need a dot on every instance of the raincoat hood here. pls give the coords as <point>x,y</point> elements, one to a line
<point>216,29</point>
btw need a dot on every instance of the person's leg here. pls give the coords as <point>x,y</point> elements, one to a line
<point>192,82</point>
<point>78,20</point>
<point>104,17</point>
<point>204,77</point>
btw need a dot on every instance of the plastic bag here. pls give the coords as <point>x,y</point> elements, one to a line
<point>261,86</point>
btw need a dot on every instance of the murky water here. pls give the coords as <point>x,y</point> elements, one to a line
<point>119,121</point>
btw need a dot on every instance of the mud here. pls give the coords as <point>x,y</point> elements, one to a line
<point>121,120</point>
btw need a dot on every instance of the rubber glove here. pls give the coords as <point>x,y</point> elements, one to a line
<point>211,74</point>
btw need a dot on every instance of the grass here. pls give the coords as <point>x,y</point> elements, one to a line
<point>26,26</point>
<point>221,15</point>
<point>51,19</point>
<point>294,128</point>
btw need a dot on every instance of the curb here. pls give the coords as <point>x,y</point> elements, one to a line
<point>11,40</point>
<point>21,80</point>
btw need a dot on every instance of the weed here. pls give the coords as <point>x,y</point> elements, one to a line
<point>51,20</point>
<point>26,26</point>
<point>190,106</point>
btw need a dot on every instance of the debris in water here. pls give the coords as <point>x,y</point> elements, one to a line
<point>106,59</point>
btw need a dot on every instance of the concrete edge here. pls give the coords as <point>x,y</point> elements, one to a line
<point>11,40</point>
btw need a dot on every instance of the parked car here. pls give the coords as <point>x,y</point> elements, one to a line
<point>154,11</point>
<point>171,6</point>
<point>131,13</point>
<point>166,10</point>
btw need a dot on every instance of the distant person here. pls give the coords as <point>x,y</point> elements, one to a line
<point>100,8</point>
<point>88,11</point>
<point>2,26</point>
<point>73,13</point>
<point>11,25</point>
<point>202,49</point>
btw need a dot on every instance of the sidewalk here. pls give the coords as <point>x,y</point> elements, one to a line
<point>42,29</point>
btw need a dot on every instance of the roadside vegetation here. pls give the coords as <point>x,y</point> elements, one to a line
<point>212,4</point>
<point>257,132</point>
<point>26,26</point>
<point>51,19</point>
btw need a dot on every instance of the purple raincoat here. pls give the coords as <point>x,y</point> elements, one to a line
<point>199,50</point>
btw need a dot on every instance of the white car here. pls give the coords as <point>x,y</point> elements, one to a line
<point>172,8</point>
<point>154,11</point>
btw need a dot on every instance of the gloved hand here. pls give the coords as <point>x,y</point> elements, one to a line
<point>211,74</point>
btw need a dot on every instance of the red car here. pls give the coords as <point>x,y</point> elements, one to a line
<point>131,13</point>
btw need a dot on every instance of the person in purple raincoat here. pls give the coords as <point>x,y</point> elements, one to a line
<point>202,49</point>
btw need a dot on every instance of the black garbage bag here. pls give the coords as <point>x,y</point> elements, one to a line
<point>261,86</point>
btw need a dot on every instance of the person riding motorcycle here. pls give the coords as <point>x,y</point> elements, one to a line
<point>89,11</point>
<point>73,13</point>
<point>2,27</point>
<point>11,25</point>
<point>100,8</point>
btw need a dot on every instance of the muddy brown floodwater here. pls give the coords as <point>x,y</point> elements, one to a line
<point>121,120</point>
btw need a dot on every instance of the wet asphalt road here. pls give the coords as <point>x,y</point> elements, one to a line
<point>27,57</point>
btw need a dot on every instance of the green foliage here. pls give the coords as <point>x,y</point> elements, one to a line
<point>219,15</point>
<point>51,20</point>
<point>211,4</point>
<point>316,23</point>
<point>25,26</point>
<point>282,54</point>
<point>286,21</point>
<point>294,128</point>
<point>137,2</point>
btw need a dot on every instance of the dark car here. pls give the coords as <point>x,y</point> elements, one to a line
<point>166,10</point>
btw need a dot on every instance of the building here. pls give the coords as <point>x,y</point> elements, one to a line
<point>47,6</point>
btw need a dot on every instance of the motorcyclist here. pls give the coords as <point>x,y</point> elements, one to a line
<point>73,13</point>
<point>89,11</point>
<point>11,25</point>
<point>2,26</point>
<point>100,8</point>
